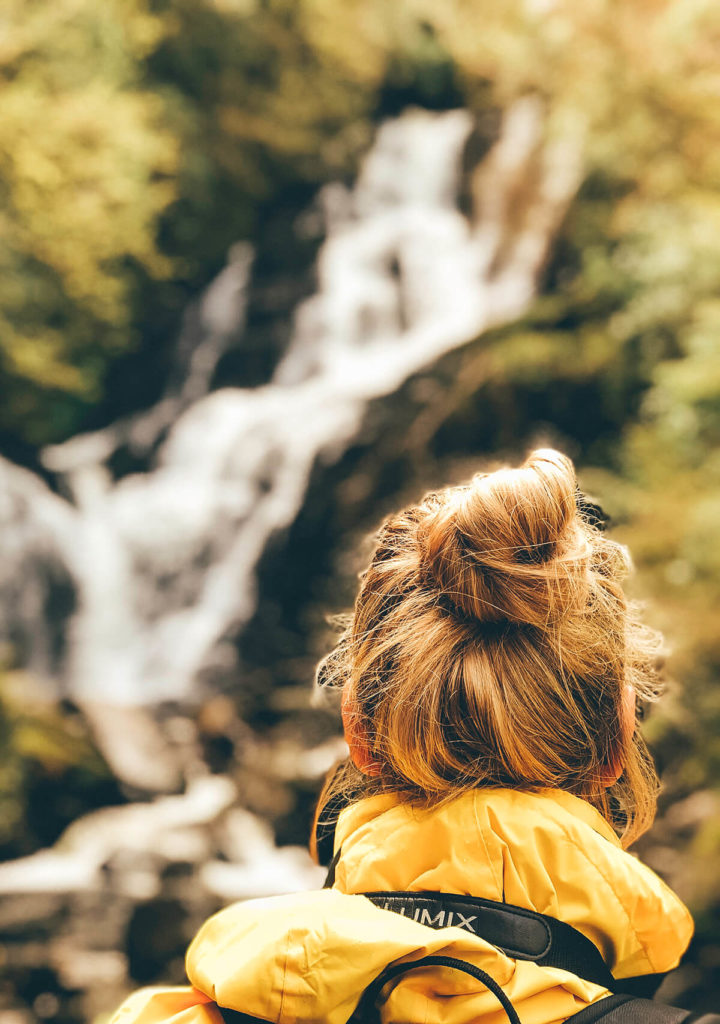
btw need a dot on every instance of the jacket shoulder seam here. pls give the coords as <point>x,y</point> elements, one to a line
<point>571,839</point>
<point>283,980</point>
<point>499,881</point>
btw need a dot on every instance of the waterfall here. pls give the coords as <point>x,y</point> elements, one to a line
<point>163,562</point>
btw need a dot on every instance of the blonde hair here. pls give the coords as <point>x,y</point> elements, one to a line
<point>491,644</point>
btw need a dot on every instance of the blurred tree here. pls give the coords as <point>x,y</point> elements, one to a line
<point>175,125</point>
<point>139,141</point>
<point>86,166</point>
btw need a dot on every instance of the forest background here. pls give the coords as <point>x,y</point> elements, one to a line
<point>142,139</point>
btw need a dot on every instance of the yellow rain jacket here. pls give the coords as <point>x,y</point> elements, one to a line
<point>306,958</point>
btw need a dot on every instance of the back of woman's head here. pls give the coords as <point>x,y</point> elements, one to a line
<point>491,645</point>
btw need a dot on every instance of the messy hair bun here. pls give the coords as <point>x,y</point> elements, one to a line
<point>510,546</point>
<point>491,644</point>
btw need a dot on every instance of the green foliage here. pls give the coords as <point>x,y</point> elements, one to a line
<point>87,165</point>
<point>138,142</point>
<point>141,139</point>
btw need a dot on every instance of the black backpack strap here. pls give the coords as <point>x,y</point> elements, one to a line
<point>615,1009</point>
<point>521,934</point>
<point>622,1009</point>
<point>366,1011</point>
<point>236,1017</point>
<point>644,985</point>
<point>330,877</point>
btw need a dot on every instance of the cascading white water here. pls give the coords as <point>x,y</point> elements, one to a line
<point>164,561</point>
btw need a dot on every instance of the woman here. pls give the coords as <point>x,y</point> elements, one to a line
<point>490,675</point>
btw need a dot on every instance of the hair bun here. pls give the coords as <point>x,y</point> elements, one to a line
<point>509,546</point>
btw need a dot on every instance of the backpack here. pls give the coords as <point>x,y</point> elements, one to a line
<point>523,935</point>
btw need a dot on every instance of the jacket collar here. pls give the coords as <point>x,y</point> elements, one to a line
<point>547,851</point>
<point>365,811</point>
